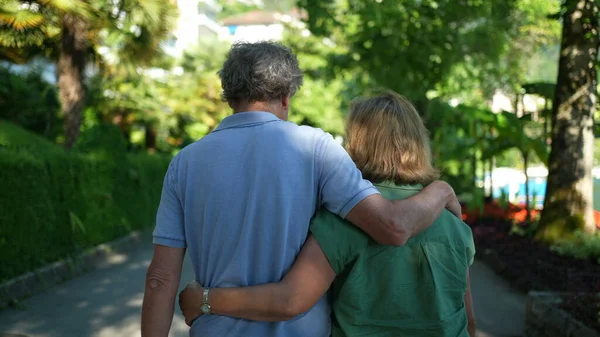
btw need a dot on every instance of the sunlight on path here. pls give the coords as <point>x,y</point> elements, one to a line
<point>104,303</point>
<point>107,303</point>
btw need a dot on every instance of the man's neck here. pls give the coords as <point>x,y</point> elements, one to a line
<point>257,106</point>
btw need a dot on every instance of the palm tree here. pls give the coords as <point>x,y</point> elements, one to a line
<point>70,32</point>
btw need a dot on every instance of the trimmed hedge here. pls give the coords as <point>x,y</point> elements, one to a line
<point>55,203</point>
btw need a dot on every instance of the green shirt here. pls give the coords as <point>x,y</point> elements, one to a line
<point>414,290</point>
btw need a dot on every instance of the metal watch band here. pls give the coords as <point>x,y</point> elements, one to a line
<point>205,296</point>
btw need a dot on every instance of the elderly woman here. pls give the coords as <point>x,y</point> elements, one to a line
<point>419,289</point>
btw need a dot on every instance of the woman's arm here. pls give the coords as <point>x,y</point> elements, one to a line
<point>302,287</point>
<point>471,327</point>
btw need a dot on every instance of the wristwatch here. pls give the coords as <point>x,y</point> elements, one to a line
<point>205,307</point>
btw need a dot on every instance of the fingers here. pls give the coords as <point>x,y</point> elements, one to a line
<point>189,302</point>
<point>455,208</point>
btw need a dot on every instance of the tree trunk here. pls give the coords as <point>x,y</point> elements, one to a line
<point>527,201</point>
<point>492,178</point>
<point>474,157</point>
<point>71,65</point>
<point>547,114</point>
<point>568,204</point>
<point>150,138</point>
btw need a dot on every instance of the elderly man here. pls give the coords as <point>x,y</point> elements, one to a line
<point>240,200</point>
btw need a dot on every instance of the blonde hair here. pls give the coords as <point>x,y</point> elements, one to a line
<point>388,141</point>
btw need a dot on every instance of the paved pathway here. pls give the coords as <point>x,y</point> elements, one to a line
<point>107,303</point>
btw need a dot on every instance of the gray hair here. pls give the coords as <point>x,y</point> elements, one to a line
<point>259,72</point>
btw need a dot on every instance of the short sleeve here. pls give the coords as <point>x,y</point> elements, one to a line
<point>341,185</point>
<point>341,242</point>
<point>169,230</point>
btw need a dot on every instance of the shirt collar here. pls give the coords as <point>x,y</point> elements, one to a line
<point>249,118</point>
<point>415,187</point>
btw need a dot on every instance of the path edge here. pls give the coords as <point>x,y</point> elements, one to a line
<point>50,275</point>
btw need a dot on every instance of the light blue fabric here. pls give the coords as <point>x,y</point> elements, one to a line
<point>241,200</point>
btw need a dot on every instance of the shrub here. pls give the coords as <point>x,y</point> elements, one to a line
<point>28,100</point>
<point>102,138</point>
<point>56,203</point>
<point>581,246</point>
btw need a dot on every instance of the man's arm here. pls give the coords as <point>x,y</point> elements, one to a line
<point>394,222</point>
<point>162,282</point>
<point>302,287</point>
<point>472,325</point>
<point>345,193</point>
<point>162,279</point>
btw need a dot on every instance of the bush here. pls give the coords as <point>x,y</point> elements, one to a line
<point>581,246</point>
<point>56,203</point>
<point>102,138</point>
<point>28,100</point>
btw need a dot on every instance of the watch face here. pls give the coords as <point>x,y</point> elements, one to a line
<point>205,308</point>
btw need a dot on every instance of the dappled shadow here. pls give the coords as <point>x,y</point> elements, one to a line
<point>105,302</point>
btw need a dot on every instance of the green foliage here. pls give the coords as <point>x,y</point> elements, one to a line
<point>234,8</point>
<point>192,99</point>
<point>105,138</point>
<point>410,46</point>
<point>278,5</point>
<point>319,102</point>
<point>56,203</point>
<point>582,246</point>
<point>542,66</point>
<point>513,133</point>
<point>26,99</point>
<point>15,137</point>
<point>133,28</point>
<point>164,110</point>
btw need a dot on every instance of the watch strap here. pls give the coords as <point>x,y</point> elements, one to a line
<point>205,295</point>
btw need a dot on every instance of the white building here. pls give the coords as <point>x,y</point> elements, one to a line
<point>197,20</point>
<point>260,25</point>
<point>502,102</point>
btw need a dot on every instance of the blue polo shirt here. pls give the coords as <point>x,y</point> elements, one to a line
<point>241,200</point>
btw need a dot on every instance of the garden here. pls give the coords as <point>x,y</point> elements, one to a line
<point>505,241</point>
<point>93,106</point>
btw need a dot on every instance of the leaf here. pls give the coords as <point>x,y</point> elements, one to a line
<point>78,7</point>
<point>20,18</point>
<point>76,223</point>
<point>541,149</point>
<point>543,89</point>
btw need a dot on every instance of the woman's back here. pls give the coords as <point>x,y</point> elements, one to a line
<point>414,290</point>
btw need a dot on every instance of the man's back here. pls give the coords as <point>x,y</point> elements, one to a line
<point>248,191</point>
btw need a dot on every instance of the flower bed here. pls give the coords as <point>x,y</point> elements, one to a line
<point>529,265</point>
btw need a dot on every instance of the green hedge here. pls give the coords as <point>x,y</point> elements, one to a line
<point>55,203</point>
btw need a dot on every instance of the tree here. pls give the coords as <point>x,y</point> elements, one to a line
<point>319,102</point>
<point>71,31</point>
<point>410,46</point>
<point>530,54</point>
<point>29,101</point>
<point>514,132</point>
<point>192,99</point>
<point>569,194</point>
